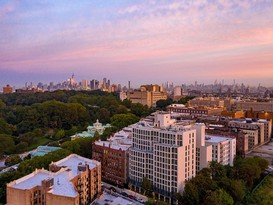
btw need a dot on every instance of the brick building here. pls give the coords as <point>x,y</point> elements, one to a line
<point>198,110</point>
<point>114,158</point>
<point>74,180</point>
<point>7,89</point>
<point>147,95</point>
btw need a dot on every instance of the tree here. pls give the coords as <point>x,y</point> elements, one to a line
<point>72,131</point>
<point>154,202</point>
<point>12,160</point>
<point>7,144</point>
<point>122,109</point>
<point>217,170</point>
<point>162,104</point>
<point>185,100</point>
<point>80,146</point>
<point>60,134</point>
<point>127,103</point>
<point>190,194</point>
<point>28,137</point>
<point>53,144</point>
<point>147,186</point>
<point>250,169</point>
<point>205,172</point>
<point>218,197</point>
<point>71,146</point>
<point>235,188</point>
<point>21,147</point>
<point>122,120</point>
<point>107,133</point>
<point>140,110</point>
<point>5,128</point>
<point>104,115</point>
<point>2,107</point>
<point>262,163</point>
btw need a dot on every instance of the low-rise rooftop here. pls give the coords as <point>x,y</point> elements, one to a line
<point>113,145</point>
<point>216,139</point>
<point>107,198</point>
<point>61,180</point>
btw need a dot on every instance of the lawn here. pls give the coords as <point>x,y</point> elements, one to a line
<point>40,141</point>
<point>264,194</point>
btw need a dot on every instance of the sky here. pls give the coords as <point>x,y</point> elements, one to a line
<point>144,41</point>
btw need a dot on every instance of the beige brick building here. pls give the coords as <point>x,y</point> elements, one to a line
<point>147,95</point>
<point>250,126</point>
<point>74,180</point>
<point>255,106</point>
<point>209,102</point>
<point>197,110</point>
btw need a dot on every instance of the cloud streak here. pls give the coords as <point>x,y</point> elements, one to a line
<point>173,37</point>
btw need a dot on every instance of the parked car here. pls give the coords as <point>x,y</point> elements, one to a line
<point>113,189</point>
<point>124,194</point>
<point>132,197</point>
<point>140,200</point>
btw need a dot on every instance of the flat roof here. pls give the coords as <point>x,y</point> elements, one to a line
<point>107,198</point>
<point>113,145</point>
<point>62,185</point>
<point>73,160</point>
<point>216,139</point>
<point>62,179</point>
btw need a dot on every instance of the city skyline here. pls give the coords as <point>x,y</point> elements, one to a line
<point>141,41</point>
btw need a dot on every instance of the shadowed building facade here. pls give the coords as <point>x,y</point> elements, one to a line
<point>114,159</point>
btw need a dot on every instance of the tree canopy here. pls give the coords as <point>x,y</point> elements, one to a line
<point>60,114</point>
<point>219,184</point>
<point>122,120</point>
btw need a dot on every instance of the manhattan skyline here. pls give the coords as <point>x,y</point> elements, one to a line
<point>141,41</point>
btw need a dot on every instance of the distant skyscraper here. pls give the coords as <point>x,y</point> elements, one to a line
<point>84,84</point>
<point>94,84</point>
<point>119,87</point>
<point>104,83</point>
<point>51,86</point>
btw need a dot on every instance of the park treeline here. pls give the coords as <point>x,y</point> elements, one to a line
<point>28,120</point>
<point>222,184</point>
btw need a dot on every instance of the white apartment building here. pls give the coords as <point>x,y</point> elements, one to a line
<point>223,149</point>
<point>165,152</point>
<point>203,150</point>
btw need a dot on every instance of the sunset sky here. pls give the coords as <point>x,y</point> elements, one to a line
<point>148,41</point>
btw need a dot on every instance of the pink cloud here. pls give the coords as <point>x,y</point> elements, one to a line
<point>4,10</point>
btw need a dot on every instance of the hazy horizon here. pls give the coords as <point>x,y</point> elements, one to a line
<point>141,41</point>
